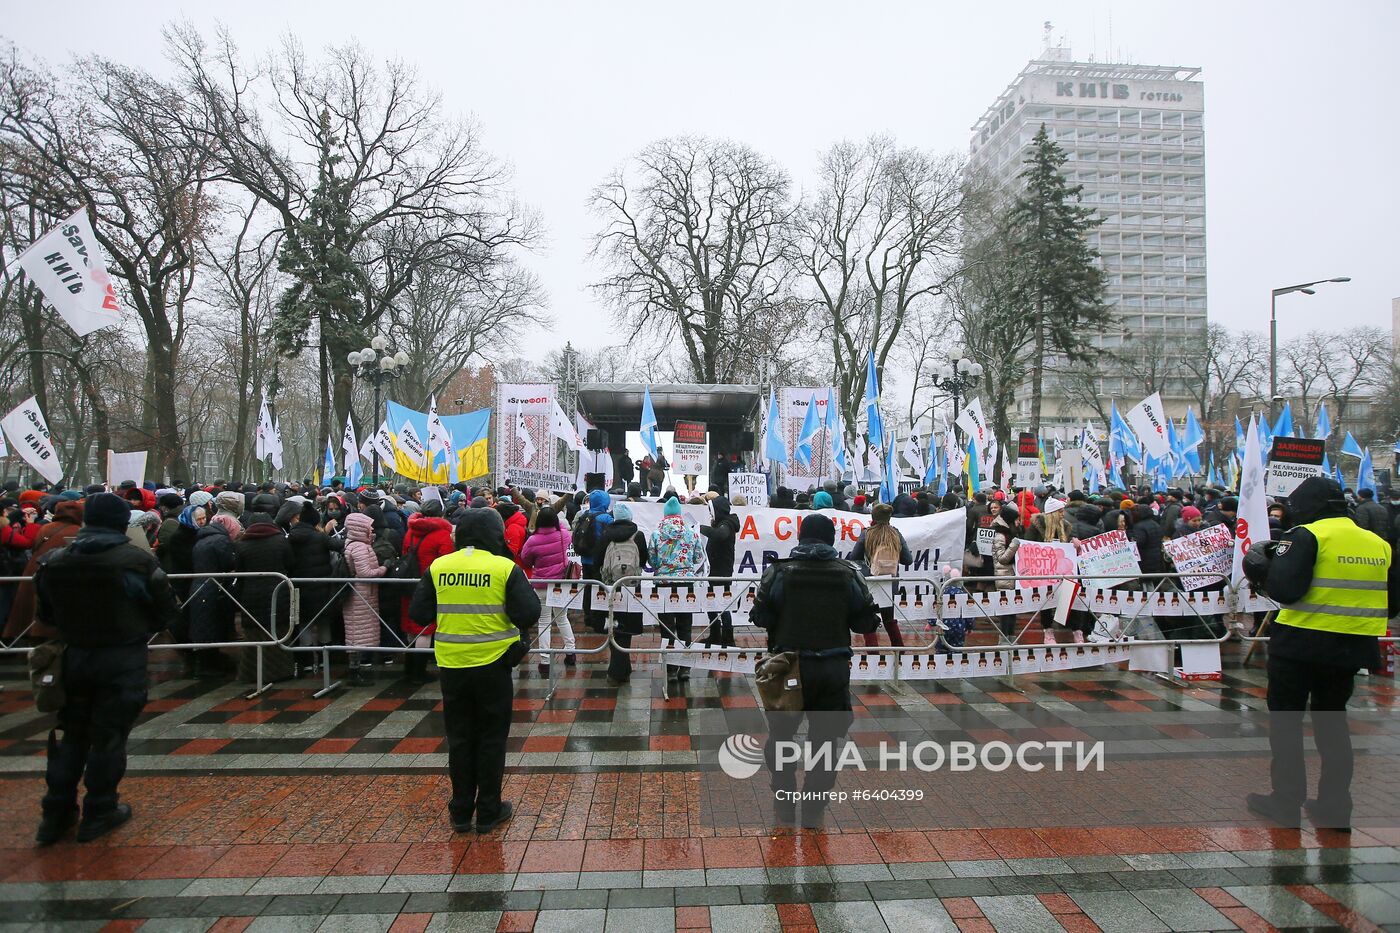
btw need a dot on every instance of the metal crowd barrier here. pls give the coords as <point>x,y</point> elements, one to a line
<point>221,583</point>
<point>306,638</point>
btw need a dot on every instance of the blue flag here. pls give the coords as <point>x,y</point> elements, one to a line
<point>1283,427</point>
<point>328,467</point>
<point>1326,464</point>
<point>836,432</point>
<point>773,447</point>
<point>811,427</point>
<point>874,425</point>
<point>1266,439</point>
<point>942,470</point>
<point>1324,423</point>
<point>1192,435</point>
<point>889,486</point>
<point>1365,476</point>
<point>1214,476</point>
<point>935,466</point>
<point>1351,447</point>
<point>1239,440</point>
<point>1397,445</point>
<point>1121,435</point>
<point>648,422</point>
<point>1337,474</point>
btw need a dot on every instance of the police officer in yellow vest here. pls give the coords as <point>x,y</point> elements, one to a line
<point>484,608</point>
<point>1337,585</point>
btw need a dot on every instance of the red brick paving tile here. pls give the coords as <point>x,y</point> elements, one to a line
<point>1072,842</point>
<point>163,706</point>
<point>1077,923</point>
<point>1059,903</point>
<point>120,863</point>
<point>308,860</point>
<point>555,715</point>
<point>790,915</point>
<point>597,702</point>
<point>201,746</point>
<point>254,717</point>
<point>961,908</point>
<point>432,858</point>
<point>417,746</point>
<point>849,849</point>
<point>693,918</point>
<point>331,746</point>
<point>1217,897</point>
<point>371,858</point>
<point>551,855</point>
<point>613,855</point>
<point>790,851</point>
<point>1125,840</point>
<point>960,844</point>
<point>1017,843</point>
<point>876,699</point>
<point>742,852</point>
<point>491,856</point>
<point>905,847</point>
<point>236,705</point>
<point>544,743</point>
<point>309,706</point>
<point>1183,839</point>
<point>1311,894</point>
<point>976,925</point>
<point>246,861</point>
<point>738,702</point>
<point>121,926</point>
<point>799,928</point>
<point>516,921</point>
<point>1247,920</point>
<point>526,703</point>
<point>183,862</point>
<point>60,863</point>
<point>231,925</point>
<point>381,706</point>
<point>661,854</point>
<point>411,923</point>
<point>1126,706</point>
<point>669,743</point>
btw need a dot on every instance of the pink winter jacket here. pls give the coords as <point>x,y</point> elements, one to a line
<point>361,605</point>
<point>545,555</point>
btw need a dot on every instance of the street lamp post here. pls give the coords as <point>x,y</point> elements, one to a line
<point>377,364</point>
<point>1307,289</point>
<point>957,377</point>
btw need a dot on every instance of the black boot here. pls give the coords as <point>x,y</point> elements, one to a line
<point>55,825</point>
<point>103,823</point>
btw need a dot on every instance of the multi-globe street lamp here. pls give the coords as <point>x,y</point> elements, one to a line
<point>959,376</point>
<point>377,364</point>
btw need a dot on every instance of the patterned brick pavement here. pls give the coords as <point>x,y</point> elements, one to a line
<point>292,813</point>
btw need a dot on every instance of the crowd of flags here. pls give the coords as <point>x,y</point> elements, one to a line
<point>1163,450</point>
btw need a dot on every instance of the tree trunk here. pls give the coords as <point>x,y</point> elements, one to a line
<point>170,451</point>
<point>1038,366</point>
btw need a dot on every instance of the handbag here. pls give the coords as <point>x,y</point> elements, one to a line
<point>779,680</point>
<point>46,676</point>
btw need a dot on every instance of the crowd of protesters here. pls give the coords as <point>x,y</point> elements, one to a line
<point>354,544</point>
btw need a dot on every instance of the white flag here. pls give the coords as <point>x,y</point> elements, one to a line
<point>1149,423</point>
<point>266,443</point>
<point>123,467</point>
<point>384,443</point>
<point>29,432</point>
<point>439,441</point>
<point>276,446</point>
<point>913,455</point>
<point>562,428</point>
<point>953,451</point>
<point>69,268</point>
<point>974,425</point>
<point>522,433</point>
<point>367,448</point>
<point>874,470</point>
<point>411,445</point>
<point>349,446</point>
<point>1252,518</point>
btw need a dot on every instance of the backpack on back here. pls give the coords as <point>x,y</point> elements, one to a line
<point>885,561</point>
<point>621,559</point>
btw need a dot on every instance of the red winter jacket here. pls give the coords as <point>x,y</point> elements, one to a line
<point>433,537</point>
<point>516,527</point>
<point>20,537</point>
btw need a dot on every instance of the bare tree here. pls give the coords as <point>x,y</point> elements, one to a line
<point>695,239</point>
<point>876,244</point>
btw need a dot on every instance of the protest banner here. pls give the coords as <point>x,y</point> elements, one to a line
<point>1292,460</point>
<point>688,450</point>
<point>127,466</point>
<point>1071,467</point>
<point>524,430</point>
<point>1027,461</point>
<point>752,486</point>
<point>29,433</point>
<point>1206,552</point>
<point>522,478</point>
<point>1149,422</point>
<point>1110,553</point>
<point>1043,559</point>
<point>766,535</point>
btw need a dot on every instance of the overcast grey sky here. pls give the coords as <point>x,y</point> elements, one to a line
<point>1302,133</point>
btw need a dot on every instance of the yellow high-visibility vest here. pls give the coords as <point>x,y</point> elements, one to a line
<point>472,626</point>
<point>1348,592</point>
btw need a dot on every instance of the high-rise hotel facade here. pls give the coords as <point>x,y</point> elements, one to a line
<point>1135,140</point>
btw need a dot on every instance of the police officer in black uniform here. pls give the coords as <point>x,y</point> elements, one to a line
<point>1337,585</point>
<point>106,597</point>
<point>810,603</point>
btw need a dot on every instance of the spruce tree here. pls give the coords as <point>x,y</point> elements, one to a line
<point>1061,285</point>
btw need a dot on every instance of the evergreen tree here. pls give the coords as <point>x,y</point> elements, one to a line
<point>1061,285</point>
<point>322,306</point>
